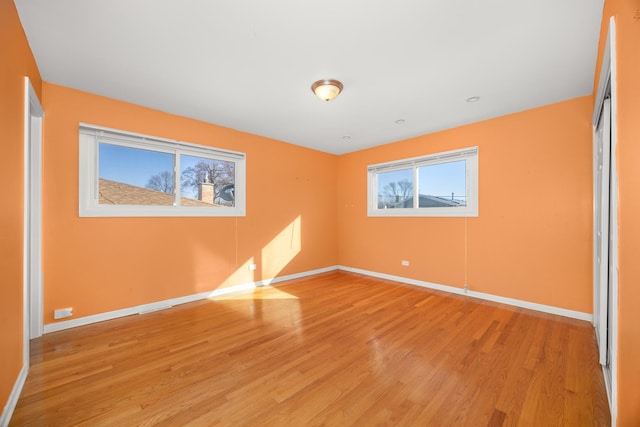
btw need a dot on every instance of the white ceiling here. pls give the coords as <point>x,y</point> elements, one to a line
<point>249,64</point>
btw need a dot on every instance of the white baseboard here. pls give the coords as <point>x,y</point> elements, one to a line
<point>161,305</point>
<point>7,412</point>
<point>481,295</point>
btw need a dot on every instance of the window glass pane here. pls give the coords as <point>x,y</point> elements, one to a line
<point>395,189</point>
<point>446,182</point>
<point>443,185</point>
<point>206,182</point>
<point>133,176</point>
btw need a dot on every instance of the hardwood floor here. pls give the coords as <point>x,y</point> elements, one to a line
<point>337,349</point>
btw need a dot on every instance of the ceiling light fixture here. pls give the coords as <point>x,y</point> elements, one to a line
<point>473,99</point>
<point>400,121</point>
<point>327,89</point>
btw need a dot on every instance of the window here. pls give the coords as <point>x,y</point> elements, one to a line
<point>443,184</point>
<point>125,174</point>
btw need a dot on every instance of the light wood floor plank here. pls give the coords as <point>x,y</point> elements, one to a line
<point>336,349</point>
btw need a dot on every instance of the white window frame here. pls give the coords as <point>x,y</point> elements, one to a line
<point>470,155</point>
<point>90,137</point>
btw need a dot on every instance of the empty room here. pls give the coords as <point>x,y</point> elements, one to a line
<point>349,213</point>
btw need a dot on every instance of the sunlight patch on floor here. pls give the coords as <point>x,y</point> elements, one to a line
<point>259,293</point>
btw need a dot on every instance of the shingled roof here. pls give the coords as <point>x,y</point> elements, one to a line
<point>118,193</point>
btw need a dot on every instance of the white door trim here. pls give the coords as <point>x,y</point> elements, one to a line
<point>32,265</point>
<point>607,84</point>
<point>32,239</point>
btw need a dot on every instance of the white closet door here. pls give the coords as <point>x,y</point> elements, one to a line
<point>602,211</point>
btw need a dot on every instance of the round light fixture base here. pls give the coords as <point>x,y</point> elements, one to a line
<point>327,89</point>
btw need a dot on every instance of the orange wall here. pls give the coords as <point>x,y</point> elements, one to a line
<point>16,62</point>
<point>97,265</point>
<point>532,238</point>
<point>627,17</point>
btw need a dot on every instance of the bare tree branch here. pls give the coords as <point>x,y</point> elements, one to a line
<point>162,182</point>
<point>396,192</point>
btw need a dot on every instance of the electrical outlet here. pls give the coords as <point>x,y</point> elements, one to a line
<point>62,313</point>
<point>405,263</point>
<point>252,266</point>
